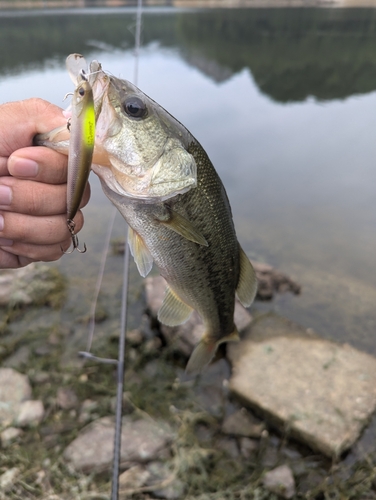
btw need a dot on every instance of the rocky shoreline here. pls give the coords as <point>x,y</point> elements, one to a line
<point>261,412</point>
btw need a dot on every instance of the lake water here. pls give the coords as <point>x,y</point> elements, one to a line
<point>283,101</point>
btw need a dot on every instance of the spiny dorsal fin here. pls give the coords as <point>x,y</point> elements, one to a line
<point>247,284</point>
<point>140,252</point>
<point>182,226</point>
<point>204,351</point>
<point>173,310</point>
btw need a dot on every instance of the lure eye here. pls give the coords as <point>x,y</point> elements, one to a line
<point>135,107</point>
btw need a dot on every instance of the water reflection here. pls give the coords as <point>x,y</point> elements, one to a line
<point>292,53</point>
<point>299,170</point>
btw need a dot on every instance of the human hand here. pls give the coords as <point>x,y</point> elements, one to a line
<point>33,217</point>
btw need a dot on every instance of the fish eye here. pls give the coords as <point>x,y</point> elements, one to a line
<point>135,107</point>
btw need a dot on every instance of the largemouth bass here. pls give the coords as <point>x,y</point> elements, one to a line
<point>165,186</point>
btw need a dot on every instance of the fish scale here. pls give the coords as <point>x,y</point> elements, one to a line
<point>204,277</point>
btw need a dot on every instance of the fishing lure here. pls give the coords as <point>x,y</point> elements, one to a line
<point>81,146</point>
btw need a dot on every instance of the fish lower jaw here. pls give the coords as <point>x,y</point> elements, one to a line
<point>108,179</point>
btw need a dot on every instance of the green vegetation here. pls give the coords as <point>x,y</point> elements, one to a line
<point>291,53</point>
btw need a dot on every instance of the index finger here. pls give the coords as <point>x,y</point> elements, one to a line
<point>25,119</point>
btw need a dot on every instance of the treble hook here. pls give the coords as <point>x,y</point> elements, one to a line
<point>71,225</point>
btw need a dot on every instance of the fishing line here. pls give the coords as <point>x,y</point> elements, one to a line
<point>123,317</point>
<point>124,309</point>
<point>99,281</point>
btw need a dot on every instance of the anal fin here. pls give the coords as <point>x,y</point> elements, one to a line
<point>184,227</point>
<point>173,310</point>
<point>140,252</point>
<point>247,284</point>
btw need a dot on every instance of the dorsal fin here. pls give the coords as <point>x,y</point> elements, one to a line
<point>247,284</point>
<point>140,252</point>
<point>173,310</point>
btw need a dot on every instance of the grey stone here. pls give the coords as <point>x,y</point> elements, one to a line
<point>163,482</point>
<point>271,281</point>
<point>9,435</point>
<point>241,423</point>
<point>210,399</point>
<point>8,479</point>
<point>229,446</point>
<point>14,389</point>
<point>40,377</point>
<point>134,337</point>
<point>280,481</point>
<point>248,447</point>
<point>89,406</point>
<point>27,285</point>
<point>142,441</point>
<point>30,413</point>
<point>204,433</point>
<point>18,358</point>
<point>211,388</point>
<point>66,398</point>
<point>133,478</point>
<point>324,393</point>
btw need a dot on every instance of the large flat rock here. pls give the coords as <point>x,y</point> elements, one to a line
<point>324,393</point>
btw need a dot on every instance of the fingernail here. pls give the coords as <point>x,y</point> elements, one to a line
<point>22,167</point>
<point>5,195</point>
<point>1,222</point>
<point>4,242</point>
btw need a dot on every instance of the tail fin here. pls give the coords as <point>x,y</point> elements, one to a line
<point>205,350</point>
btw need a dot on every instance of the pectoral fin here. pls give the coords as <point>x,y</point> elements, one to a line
<point>140,252</point>
<point>182,226</point>
<point>247,284</point>
<point>173,310</point>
